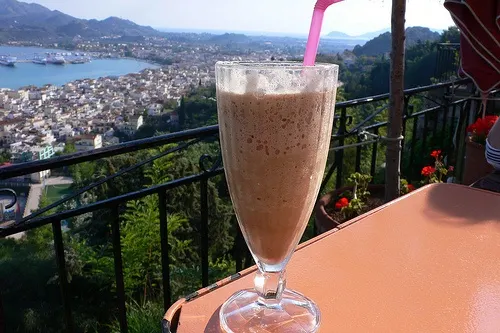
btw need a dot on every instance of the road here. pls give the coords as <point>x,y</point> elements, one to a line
<point>35,194</point>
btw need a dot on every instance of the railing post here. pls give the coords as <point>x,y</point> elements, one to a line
<point>2,317</point>
<point>165,259</point>
<point>357,165</point>
<point>327,177</point>
<point>63,276</point>
<point>405,117</point>
<point>453,123</point>
<point>339,154</point>
<point>120,285</point>
<point>204,230</point>
<point>446,106</point>
<point>373,165</point>
<point>412,144</point>
<point>467,113</point>
<point>435,121</point>
<point>424,135</point>
<point>358,155</point>
<point>238,247</point>
<point>248,259</point>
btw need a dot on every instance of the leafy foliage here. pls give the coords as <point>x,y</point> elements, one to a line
<point>142,248</point>
<point>142,318</point>
<point>382,44</point>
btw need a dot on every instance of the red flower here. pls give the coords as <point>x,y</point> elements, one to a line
<point>411,188</point>
<point>436,153</point>
<point>451,168</point>
<point>343,202</point>
<point>482,126</point>
<point>428,171</point>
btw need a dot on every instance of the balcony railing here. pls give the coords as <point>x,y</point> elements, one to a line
<point>432,115</point>
<point>447,61</point>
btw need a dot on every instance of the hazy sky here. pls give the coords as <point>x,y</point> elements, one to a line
<point>293,16</point>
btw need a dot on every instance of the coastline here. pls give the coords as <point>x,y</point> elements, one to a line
<point>94,55</point>
<point>26,73</point>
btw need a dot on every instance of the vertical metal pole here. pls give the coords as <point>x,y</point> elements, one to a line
<point>165,259</point>
<point>405,117</point>
<point>204,231</point>
<point>120,285</point>
<point>358,156</point>
<point>412,149</point>
<point>63,278</point>
<point>339,154</point>
<point>373,166</point>
<point>424,135</point>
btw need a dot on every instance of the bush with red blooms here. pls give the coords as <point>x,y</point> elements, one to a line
<point>435,173</point>
<point>480,129</point>
<point>405,188</point>
<point>352,203</point>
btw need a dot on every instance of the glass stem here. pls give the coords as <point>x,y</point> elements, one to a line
<point>270,287</point>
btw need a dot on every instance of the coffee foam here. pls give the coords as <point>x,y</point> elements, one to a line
<point>275,83</point>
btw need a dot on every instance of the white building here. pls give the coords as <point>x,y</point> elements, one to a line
<point>88,142</point>
<point>131,126</point>
<point>41,153</point>
<point>155,109</point>
<point>22,153</point>
<point>22,95</point>
<point>37,95</point>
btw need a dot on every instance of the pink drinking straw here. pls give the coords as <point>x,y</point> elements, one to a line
<point>315,30</point>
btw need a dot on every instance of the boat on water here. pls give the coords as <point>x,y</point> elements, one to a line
<point>39,60</point>
<point>78,61</point>
<point>56,59</point>
<point>8,61</point>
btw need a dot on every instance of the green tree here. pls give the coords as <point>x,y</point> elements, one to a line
<point>141,317</point>
<point>69,148</point>
<point>5,156</point>
<point>142,248</point>
<point>451,35</point>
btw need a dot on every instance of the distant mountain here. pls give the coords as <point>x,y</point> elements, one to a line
<point>366,36</point>
<point>439,31</point>
<point>20,20</point>
<point>382,44</point>
<point>230,38</point>
<point>373,34</point>
<point>338,34</point>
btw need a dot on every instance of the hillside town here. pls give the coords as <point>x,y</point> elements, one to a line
<point>37,122</point>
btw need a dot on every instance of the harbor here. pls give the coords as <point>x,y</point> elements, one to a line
<point>48,59</point>
<point>34,67</point>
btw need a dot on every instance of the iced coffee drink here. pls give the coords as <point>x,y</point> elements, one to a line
<point>275,125</point>
<point>274,150</point>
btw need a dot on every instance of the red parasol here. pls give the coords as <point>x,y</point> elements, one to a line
<point>479,24</point>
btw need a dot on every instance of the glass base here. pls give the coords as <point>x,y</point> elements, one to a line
<point>247,312</point>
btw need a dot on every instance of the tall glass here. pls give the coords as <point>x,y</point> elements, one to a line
<point>275,124</point>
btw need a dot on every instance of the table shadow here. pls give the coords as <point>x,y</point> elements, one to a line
<point>213,325</point>
<point>464,206</point>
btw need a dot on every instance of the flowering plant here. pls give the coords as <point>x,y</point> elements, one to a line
<point>405,187</point>
<point>352,208</point>
<point>435,173</point>
<point>480,129</point>
<point>351,204</point>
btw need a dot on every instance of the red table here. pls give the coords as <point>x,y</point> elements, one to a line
<point>427,262</point>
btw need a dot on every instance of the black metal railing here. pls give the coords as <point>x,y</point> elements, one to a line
<point>428,111</point>
<point>447,61</point>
